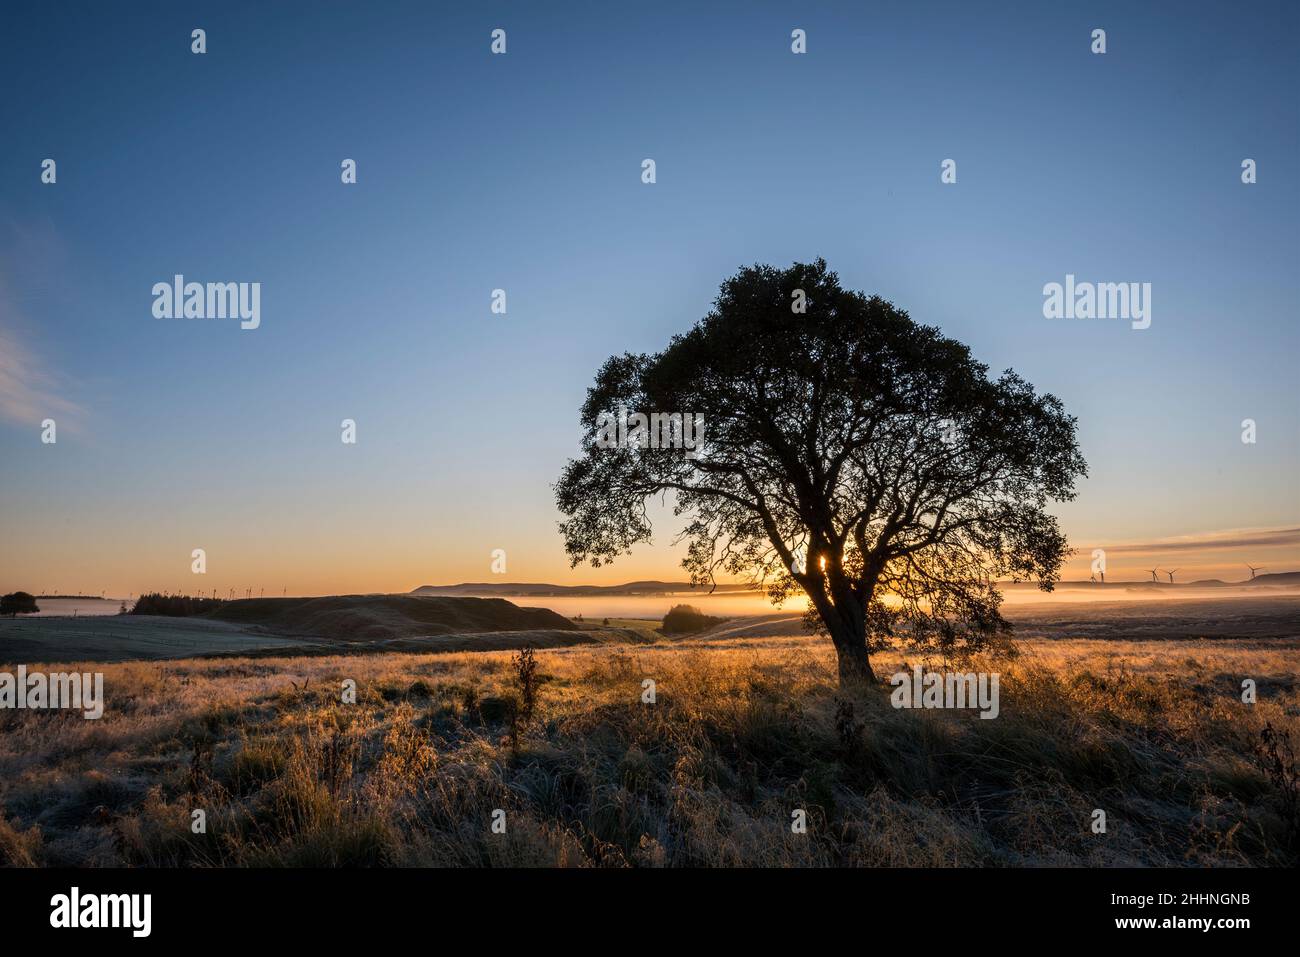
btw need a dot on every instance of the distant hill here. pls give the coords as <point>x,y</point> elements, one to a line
<point>525,589</point>
<point>544,590</point>
<point>1024,586</point>
<point>366,618</point>
<point>1286,579</point>
<point>1129,585</point>
<point>1282,578</point>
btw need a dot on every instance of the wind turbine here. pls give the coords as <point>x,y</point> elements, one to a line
<point>1254,569</point>
<point>1170,573</point>
<point>1153,572</point>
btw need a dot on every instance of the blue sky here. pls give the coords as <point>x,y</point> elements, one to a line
<point>523,172</point>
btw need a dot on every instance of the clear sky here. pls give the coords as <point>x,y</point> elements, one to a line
<point>523,172</point>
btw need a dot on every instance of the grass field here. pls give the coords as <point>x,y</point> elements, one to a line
<point>126,638</point>
<point>742,734</point>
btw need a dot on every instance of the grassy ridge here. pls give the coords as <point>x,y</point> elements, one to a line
<point>362,618</point>
<point>739,736</point>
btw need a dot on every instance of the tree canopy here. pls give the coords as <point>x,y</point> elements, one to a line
<point>18,603</point>
<point>847,452</point>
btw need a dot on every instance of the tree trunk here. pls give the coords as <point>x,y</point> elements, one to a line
<point>855,665</point>
<point>851,638</point>
<point>845,618</point>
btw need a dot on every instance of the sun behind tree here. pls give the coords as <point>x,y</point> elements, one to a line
<point>847,451</point>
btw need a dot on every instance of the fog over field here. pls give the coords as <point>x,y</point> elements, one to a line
<point>399,622</point>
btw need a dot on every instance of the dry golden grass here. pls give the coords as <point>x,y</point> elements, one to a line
<point>741,734</point>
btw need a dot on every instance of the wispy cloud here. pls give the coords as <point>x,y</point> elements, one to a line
<point>1213,541</point>
<point>29,391</point>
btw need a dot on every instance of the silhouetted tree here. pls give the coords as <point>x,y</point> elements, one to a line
<point>18,603</point>
<point>176,606</point>
<point>848,451</point>
<point>686,619</point>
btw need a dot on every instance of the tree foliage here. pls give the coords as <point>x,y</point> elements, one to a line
<point>849,453</point>
<point>18,603</point>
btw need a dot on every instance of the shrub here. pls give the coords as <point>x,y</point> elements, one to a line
<point>684,619</point>
<point>18,603</point>
<point>525,665</point>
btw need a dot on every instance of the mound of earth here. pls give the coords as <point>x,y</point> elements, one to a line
<point>368,618</point>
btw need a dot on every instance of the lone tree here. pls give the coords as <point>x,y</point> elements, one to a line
<point>18,603</point>
<point>847,451</point>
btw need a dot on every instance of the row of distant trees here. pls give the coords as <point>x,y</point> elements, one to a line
<point>153,603</point>
<point>175,606</point>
